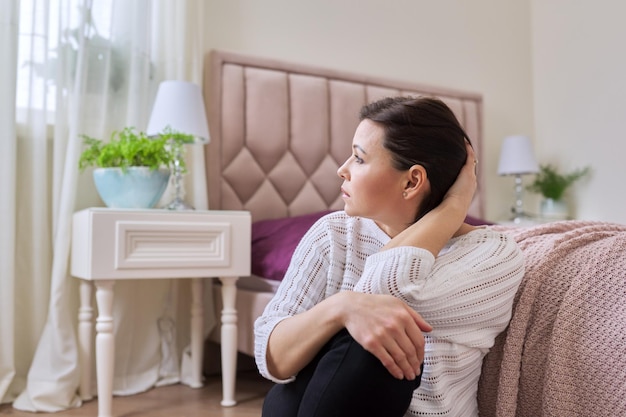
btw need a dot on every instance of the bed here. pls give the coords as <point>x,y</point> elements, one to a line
<point>280,130</point>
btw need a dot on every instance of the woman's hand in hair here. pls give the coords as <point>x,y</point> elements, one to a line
<point>436,227</point>
<point>463,189</point>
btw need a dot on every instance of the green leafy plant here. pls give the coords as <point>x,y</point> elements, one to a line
<point>550,184</point>
<point>129,147</point>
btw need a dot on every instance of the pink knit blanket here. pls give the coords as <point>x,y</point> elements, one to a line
<point>564,352</point>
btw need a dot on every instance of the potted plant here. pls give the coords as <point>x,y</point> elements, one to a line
<point>132,169</point>
<point>552,186</point>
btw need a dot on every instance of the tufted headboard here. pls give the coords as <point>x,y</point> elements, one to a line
<point>280,130</point>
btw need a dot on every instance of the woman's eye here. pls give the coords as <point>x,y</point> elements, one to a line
<point>357,159</point>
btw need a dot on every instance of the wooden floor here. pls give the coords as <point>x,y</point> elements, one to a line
<point>176,401</point>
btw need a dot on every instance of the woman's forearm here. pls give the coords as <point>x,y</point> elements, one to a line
<point>384,325</point>
<point>434,229</point>
<point>296,340</point>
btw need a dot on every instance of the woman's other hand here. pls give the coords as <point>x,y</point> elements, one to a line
<point>436,227</point>
<point>463,189</point>
<point>387,328</point>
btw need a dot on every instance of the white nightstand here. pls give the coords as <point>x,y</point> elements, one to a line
<point>122,244</point>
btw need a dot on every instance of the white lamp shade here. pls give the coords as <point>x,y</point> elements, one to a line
<point>179,106</point>
<point>517,157</point>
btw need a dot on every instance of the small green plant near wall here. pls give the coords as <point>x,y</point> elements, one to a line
<point>131,148</point>
<point>132,170</point>
<point>550,184</point>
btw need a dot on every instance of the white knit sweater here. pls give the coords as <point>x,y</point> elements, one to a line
<point>466,294</point>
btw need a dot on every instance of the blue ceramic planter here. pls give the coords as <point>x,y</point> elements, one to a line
<point>138,187</point>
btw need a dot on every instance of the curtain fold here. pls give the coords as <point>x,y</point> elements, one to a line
<point>84,68</point>
<point>10,382</point>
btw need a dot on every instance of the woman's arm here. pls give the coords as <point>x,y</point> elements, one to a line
<point>436,227</point>
<point>304,314</point>
<point>295,340</point>
<point>382,324</point>
<point>466,295</point>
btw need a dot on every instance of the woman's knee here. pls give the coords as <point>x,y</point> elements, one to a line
<point>351,381</point>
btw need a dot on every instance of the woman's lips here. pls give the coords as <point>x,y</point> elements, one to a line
<point>344,193</point>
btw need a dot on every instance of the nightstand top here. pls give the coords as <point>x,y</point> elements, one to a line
<point>162,211</point>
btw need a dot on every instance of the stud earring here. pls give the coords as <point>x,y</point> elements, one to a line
<point>404,194</point>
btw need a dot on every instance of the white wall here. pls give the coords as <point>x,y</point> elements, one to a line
<point>478,45</point>
<point>579,70</point>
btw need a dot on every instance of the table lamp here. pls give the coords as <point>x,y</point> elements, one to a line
<point>179,107</point>
<point>517,158</point>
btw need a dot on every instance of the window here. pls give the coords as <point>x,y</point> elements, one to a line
<point>48,40</point>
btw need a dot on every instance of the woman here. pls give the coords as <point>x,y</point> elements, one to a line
<point>395,284</point>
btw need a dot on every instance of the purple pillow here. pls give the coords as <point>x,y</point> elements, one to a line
<point>275,240</point>
<point>475,221</point>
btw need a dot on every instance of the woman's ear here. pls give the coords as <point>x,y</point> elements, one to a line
<point>416,181</point>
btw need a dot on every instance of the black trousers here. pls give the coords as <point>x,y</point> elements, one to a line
<point>343,380</point>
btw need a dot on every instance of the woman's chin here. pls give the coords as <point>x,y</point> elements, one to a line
<point>352,210</point>
<point>348,210</point>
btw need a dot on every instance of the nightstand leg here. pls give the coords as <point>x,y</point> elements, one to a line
<point>197,331</point>
<point>229,340</point>
<point>105,346</point>
<point>85,339</point>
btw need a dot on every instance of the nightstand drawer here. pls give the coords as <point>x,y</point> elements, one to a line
<point>132,244</point>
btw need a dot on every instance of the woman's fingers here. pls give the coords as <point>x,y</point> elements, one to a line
<point>407,355</point>
<point>394,337</point>
<point>394,368</point>
<point>399,361</point>
<point>390,330</point>
<point>416,338</point>
<point>465,185</point>
<point>400,357</point>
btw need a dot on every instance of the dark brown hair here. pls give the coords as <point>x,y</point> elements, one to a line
<point>422,131</point>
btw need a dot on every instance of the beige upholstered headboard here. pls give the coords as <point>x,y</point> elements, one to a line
<point>280,130</point>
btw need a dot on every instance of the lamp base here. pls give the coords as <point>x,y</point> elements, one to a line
<point>178,204</point>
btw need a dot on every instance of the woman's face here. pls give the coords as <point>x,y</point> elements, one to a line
<point>372,187</point>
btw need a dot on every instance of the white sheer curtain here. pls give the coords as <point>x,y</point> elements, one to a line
<point>10,363</point>
<point>102,76</point>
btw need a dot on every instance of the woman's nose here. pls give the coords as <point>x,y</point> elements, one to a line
<point>342,171</point>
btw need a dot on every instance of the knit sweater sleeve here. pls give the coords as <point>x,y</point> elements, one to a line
<point>304,285</point>
<point>466,294</point>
